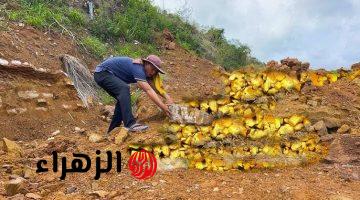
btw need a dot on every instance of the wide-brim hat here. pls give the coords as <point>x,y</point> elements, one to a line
<point>155,61</point>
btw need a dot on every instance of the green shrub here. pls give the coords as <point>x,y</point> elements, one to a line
<point>76,17</point>
<point>120,24</point>
<point>135,51</point>
<point>95,46</point>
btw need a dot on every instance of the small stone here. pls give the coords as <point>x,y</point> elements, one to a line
<point>41,109</point>
<point>79,130</point>
<point>55,132</point>
<point>15,62</point>
<point>14,186</point>
<point>12,148</point>
<point>99,193</point>
<point>216,189</point>
<point>4,62</point>
<point>68,82</point>
<point>66,107</point>
<point>171,46</point>
<point>320,127</point>
<point>42,102</point>
<point>21,110</point>
<point>29,94</point>
<point>8,168</point>
<point>95,138</point>
<point>70,190</point>
<point>120,135</point>
<point>48,95</point>
<point>33,196</point>
<point>80,106</point>
<point>312,103</point>
<point>12,111</point>
<point>343,129</point>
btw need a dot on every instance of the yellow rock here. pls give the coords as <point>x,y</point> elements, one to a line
<point>295,119</point>
<point>237,129</point>
<point>200,165</point>
<point>248,113</point>
<point>250,122</point>
<point>250,93</point>
<point>204,105</point>
<point>254,150</point>
<point>188,130</point>
<point>175,154</point>
<point>296,146</point>
<point>174,128</point>
<point>286,130</point>
<point>165,150</point>
<point>299,126</point>
<point>257,82</point>
<point>205,129</point>
<point>332,77</point>
<point>194,104</point>
<point>273,91</point>
<point>213,106</point>
<point>257,134</point>
<point>199,139</point>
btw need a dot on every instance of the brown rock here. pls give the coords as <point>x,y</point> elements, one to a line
<point>33,196</point>
<point>185,115</point>
<point>12,148</point>
<point>355,66</point>
<point>42,102</point>
<point>345,149</point>
<point>291,62</point>
<point>331,122</point>
<point>93,137</point>
<point>14,186</point>
<point>107,110</point>
<point>343,129</point>
<point>170,46</point>
<point>120,134</point>
<point>99,193</point>
<point>320,127</point>
<point>272,64</point>
<point>29,94</point>
<point>312,103</point>
<point>167,35</point>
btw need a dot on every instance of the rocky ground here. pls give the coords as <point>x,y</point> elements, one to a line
<point>41,113</point>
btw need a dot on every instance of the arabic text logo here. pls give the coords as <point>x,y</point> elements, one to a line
<point>142,164</point>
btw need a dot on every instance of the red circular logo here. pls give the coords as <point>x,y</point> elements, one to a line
<point>142,164</point>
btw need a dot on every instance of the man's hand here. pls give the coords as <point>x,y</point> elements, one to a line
<point>169,100</point>
<point>153,96</point>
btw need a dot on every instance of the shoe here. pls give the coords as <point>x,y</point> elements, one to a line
<point>137,127</point>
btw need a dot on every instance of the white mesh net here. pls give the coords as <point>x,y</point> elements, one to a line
<point>82,79</point>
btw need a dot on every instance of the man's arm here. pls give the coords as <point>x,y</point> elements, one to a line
<point>153,96</point>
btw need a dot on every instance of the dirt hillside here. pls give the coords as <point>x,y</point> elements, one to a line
<point>41,113</point>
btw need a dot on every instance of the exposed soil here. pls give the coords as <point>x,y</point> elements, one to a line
<point>188,77</point>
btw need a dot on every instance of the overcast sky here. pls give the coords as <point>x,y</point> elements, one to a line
<point>325,33</point>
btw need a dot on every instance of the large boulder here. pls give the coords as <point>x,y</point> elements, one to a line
<point>186,115</point>
<point>344,149</point>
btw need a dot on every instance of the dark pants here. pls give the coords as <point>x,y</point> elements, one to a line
<point>121,92</point>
